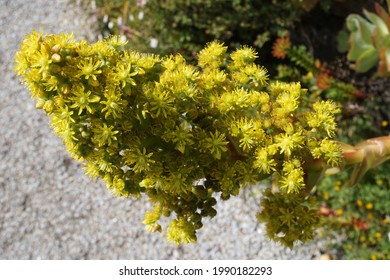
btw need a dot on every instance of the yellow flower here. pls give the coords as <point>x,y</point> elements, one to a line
<point>263,162</point>
<point>89,68</point>
<point>373,257</point>
<point>369,206</point>
<point>326,195</point>
<point>41,60</point>
<point>379,182</point>
<point>140,158</point>
<point>216,144</point>
<point>309,75</point>
<point>378,235</point>
<point>292,180</point>
<point>385,123</point>
<point>317,63</point>
<point>362,238</point>
<point>123,74</point>
<point>114,104</point>
<point>104,134</point>
<point>339,212</point>
<point>244,56</point>
<point>212,55</point>
<point>359,203</point>
<point>82,99</point>
<point>288,143</point>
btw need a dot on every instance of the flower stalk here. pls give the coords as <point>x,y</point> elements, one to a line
<point>365,155</point>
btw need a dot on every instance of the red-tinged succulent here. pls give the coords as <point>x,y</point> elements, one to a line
<point>369,41</point>
<point>281,47</point>
<point>324,80</point>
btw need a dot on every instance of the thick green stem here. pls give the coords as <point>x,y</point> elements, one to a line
<point>377,148</point>
<point>365,155</point>
<point>362,157</point>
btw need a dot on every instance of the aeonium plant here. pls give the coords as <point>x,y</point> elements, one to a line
<point>181,134</point>
<point>369,40</point>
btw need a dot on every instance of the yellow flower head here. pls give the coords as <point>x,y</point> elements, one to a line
<point>89,67</point>
<point>369,206</point>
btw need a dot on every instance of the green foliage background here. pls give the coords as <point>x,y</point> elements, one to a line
<point>186,26</point>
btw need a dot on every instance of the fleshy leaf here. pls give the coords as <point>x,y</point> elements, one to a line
<point>367,60</point>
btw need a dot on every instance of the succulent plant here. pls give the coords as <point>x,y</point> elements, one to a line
<point>180,135</point>
<point>369,40</point>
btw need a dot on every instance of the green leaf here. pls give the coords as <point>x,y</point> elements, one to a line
<point>380,28</point>
<point>367,60</point>
<point>356,24</point>
<point>384,63</point>
<point>383,14</point>
<point>386,41</point>
<point>342,41</point>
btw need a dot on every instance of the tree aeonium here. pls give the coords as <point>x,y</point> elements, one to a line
<point>182,134</point>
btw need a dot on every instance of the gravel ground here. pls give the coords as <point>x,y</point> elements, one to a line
<point>50,210</point>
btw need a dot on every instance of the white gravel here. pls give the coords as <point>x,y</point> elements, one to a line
<point>50,210</point>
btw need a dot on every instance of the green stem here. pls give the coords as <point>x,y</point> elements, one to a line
<point>378,149</point>
<point>365,155</point>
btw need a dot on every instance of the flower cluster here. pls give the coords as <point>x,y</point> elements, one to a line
<point>177,133</point>
<point>289,217</point>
